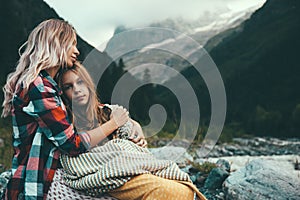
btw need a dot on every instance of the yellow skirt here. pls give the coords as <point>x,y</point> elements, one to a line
<point>151,187</point>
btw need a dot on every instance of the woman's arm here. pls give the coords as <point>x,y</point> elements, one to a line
<point>118,117</point>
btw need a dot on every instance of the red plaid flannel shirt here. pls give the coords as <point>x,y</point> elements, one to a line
<point>41,132</point>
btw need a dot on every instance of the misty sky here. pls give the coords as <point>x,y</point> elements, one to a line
<point>96,20</point>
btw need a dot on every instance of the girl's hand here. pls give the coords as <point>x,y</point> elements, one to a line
<point>137,135</point>
<point>119,116</point>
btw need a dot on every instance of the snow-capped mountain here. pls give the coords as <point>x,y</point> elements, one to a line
<point>174,43</point>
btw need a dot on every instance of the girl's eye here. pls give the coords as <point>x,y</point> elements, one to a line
<point>80,82</point>
<point>67,87</point>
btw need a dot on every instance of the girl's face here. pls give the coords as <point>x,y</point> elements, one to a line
<point>72,54</point>
<point>75,88</point>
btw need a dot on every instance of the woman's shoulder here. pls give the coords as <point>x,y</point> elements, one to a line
<point>42,84</point>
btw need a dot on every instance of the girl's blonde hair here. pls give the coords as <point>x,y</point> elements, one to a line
<point>92,115</point>
<point>46,47</point>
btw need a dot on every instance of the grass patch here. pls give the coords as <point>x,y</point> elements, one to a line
<point>205,167</point>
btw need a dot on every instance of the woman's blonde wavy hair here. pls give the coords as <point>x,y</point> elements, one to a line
<point>46,47</point>
<point>92,115</point>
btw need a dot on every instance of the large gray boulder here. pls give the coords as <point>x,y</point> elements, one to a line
<point>176,154</point>
<point>264,179</point>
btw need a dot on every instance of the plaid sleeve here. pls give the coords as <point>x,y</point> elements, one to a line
<point>47,108</point>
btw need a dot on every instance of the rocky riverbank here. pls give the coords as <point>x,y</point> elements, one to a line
<point>256,168</point>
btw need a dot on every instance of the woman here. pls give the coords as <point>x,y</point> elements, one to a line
<point>118,167</point>
<point>41,127</point>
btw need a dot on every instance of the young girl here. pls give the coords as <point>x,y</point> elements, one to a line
<point>118,167</point>
<point>87,112</point>
<point>42,130</point>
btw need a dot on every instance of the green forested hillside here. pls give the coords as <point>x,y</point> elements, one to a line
<point>259,63</point>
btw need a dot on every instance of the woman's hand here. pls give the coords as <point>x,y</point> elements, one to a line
<point>137,135</point>
<point>119,116</point>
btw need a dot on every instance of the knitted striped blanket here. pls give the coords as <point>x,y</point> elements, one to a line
<point>111,165</point>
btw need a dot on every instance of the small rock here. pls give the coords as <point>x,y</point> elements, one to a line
<point>297,165</point>
<point>215,178</point>
<point>193,178</point>
<point>201,178</point>
<point>223,164</point>
<point>220,196</point>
